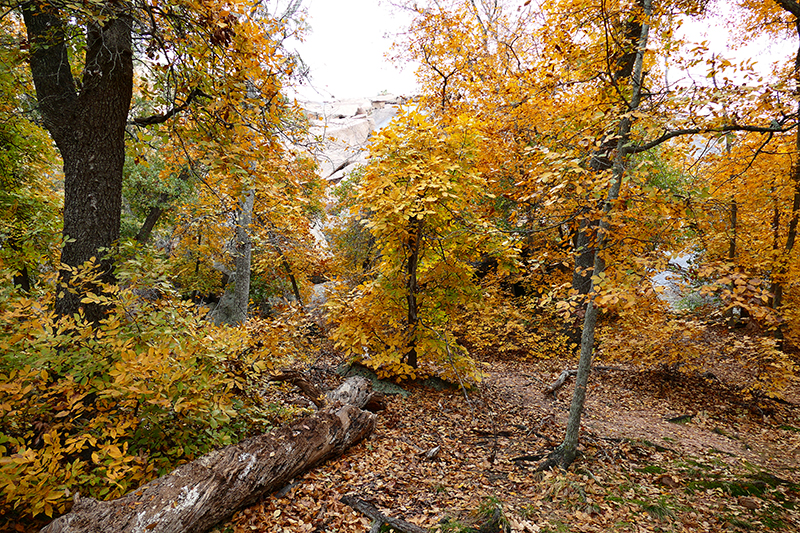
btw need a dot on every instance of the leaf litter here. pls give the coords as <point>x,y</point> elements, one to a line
<point>731,465</point>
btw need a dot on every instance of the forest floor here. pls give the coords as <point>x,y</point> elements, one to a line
<point>728,464</point>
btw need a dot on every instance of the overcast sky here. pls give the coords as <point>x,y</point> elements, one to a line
<point>346,47</point>
<point>348,40</point>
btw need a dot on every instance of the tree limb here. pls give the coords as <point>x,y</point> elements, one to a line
<point>777,127</point>
<point>566,374</point>
<point>160,119</point>
<point>310,391</point>
<point>791,6</point>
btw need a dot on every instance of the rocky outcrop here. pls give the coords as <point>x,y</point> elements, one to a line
<point>343,129</point>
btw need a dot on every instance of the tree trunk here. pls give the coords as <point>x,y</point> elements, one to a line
<point>778,276</point>
<point>232,307</point>
<point>566,452</point>
<point>197,496</point>
<point>152,217</point>
<point>733,313</point>
<point>88,128</point>
<point>157,210</point>
<point>583,252</point>
<point>292,279</point>
<point>415,236</point>
<point>21,278</point>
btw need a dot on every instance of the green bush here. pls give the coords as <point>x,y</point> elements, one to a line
<point>101,409</point>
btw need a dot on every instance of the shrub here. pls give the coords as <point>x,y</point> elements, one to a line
<point>101,409</point>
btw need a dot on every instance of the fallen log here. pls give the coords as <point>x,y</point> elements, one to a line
<point>378,518</point>
<point>198,495</point>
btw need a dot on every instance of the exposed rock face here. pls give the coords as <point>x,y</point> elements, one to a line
<point>344,127</point>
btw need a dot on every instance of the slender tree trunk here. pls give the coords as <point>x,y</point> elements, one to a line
<point>21,278</point>
<point>584,258</point>
<point>566,452</point>
<point>152,217</point>
<point>735,314</point>
<point>412,318</point>
<point>583,252</point>
<point>288,268</point>
<point>88,128</point>
<point>156,211</point>
<point>776,234</point>
<point>792,7</point>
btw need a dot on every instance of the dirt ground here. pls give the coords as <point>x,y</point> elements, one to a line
<point>449,460</point>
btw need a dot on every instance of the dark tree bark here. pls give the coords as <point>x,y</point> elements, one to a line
<point>162,204</point>
<point>412,319</point>
<point>152,218</point>
<point>22,279</point>
<point>566,452</point>
<point>778,276</point>
<point>292,279</point>
<point>88,126</point>
<point>197,496</point>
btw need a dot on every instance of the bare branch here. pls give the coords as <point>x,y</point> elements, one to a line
<point>775,127</point>
<point>160,119</point>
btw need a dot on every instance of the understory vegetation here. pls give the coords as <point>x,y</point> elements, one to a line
<point>552,198</point>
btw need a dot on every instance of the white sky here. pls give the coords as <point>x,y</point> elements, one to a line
<point>722,37</point>
<point>348,40</point>
<point>346,47</point>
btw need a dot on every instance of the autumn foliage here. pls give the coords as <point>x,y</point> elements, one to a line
<point>101,410</point>
<point>550,167</point>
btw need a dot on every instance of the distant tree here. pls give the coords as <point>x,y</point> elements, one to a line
<point>418,195</point>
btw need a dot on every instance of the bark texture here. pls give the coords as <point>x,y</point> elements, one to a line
<point>199,495</point>
<point>88,126</point>
<point>232,308</point>
<point>780,272</point>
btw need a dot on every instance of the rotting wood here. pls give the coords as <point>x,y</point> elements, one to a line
<point>566,374</point>
<point>310,391</point>
<point>351,392</point>
<point>379,519</point>
<point>198,495</point>
<point>373,402</point>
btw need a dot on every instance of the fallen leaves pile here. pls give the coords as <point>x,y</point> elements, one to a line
<point>446,460</point>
